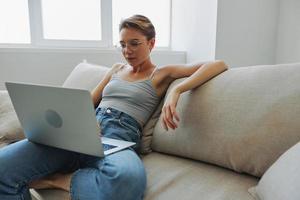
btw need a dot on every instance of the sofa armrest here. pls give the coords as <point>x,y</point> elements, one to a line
<point>10,128</point>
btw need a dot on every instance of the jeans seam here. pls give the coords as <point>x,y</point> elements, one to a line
<point>71,184</point>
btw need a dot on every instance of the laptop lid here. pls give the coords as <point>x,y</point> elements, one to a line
<point>59,117</point>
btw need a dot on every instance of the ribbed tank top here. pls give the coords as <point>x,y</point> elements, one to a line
<point>137,98</point>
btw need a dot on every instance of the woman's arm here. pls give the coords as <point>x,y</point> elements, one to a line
<point>198,74</point>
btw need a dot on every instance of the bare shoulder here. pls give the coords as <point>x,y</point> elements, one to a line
<point>116,67</point>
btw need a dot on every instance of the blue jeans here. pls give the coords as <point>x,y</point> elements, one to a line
<point>117,176</point>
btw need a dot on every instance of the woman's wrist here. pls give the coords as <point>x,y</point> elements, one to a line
<point>177,89</point>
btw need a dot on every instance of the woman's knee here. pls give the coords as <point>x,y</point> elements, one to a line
<point>117,176</point>
<point>12,160</point>
<point>7,166</point>
<point>8,170</point>
<point>128,172</point>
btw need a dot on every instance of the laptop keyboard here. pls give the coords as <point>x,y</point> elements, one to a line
<point>107,147</point>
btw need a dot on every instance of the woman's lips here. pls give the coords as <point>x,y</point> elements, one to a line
<point>130,59</point>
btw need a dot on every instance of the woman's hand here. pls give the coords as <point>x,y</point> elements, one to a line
<point>169,114</point>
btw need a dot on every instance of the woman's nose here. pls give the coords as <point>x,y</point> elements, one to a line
<point>127,50</point>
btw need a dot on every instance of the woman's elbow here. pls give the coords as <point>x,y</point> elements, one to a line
<point>221,64</point>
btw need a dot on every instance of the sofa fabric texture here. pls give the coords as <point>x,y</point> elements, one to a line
<point>171,177</point>
<point>10,128</point>
<point>243,119</point>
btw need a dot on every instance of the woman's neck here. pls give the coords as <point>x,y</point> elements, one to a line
<point>143,67</point>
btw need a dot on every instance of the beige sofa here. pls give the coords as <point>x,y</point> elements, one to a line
<point>232,129</point>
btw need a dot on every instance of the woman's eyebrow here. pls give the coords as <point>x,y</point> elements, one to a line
<point>135,40</point>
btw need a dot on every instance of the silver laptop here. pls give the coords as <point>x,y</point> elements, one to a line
<point>61,117</point>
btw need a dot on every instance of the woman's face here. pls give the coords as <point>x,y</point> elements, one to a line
<point>135,46</point>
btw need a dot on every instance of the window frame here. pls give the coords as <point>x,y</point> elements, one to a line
<point>36,27</point>
<point>38,41</point>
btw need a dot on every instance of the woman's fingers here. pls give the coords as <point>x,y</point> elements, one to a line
<point>168,117</point>
<point>174,113</point>
<point>164,122</point>
<point>175,116</point>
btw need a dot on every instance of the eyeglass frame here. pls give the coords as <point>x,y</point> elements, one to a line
<point>133,45</point>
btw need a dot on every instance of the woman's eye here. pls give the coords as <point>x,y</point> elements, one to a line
<point>134,44</point>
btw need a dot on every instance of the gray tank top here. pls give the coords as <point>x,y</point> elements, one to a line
<point>138,98</point>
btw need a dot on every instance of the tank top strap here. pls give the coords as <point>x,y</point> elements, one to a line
<point>153,72</point>
<point>119,69</point>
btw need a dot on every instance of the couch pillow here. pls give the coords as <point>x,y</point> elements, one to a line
<point>243,119</point>
<point>87,76</point>
<point>147,134</point>
<point>10,128</point>
<point>282,179</point>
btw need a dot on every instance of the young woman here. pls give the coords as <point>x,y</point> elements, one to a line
<point>124,100</point>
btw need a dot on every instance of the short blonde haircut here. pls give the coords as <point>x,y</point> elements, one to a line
<point>140,23</point>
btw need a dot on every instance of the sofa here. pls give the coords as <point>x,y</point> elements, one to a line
<point>237,138</point>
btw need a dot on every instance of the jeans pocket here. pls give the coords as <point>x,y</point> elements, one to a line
<point>129,126</point>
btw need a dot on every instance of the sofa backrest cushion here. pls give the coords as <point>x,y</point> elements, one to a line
<point>85,76</point>
<point>243,119</point>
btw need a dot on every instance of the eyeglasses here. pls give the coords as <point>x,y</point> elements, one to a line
<point>133,45</point>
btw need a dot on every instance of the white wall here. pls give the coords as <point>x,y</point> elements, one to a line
<point>46,66</point>
<point>194,28</point>
<point>288,41</point>
<point>247,31</point>
<point>242,33</point>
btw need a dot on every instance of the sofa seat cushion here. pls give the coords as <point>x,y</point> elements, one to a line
<point>171,177</point>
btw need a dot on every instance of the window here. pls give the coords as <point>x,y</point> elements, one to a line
<point>77,23</point>
<point>71,19</point>
<point>70,23</point>
<point>14,22</point>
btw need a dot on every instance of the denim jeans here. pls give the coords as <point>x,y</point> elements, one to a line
<point>119,176</point>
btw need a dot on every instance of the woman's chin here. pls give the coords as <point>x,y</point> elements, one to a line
<point>132,62</point>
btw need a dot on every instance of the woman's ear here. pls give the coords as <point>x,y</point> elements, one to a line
<point>151,43</point>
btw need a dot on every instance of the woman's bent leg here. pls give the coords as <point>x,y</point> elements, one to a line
<point>118,176</point>
<point>24,161</point>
